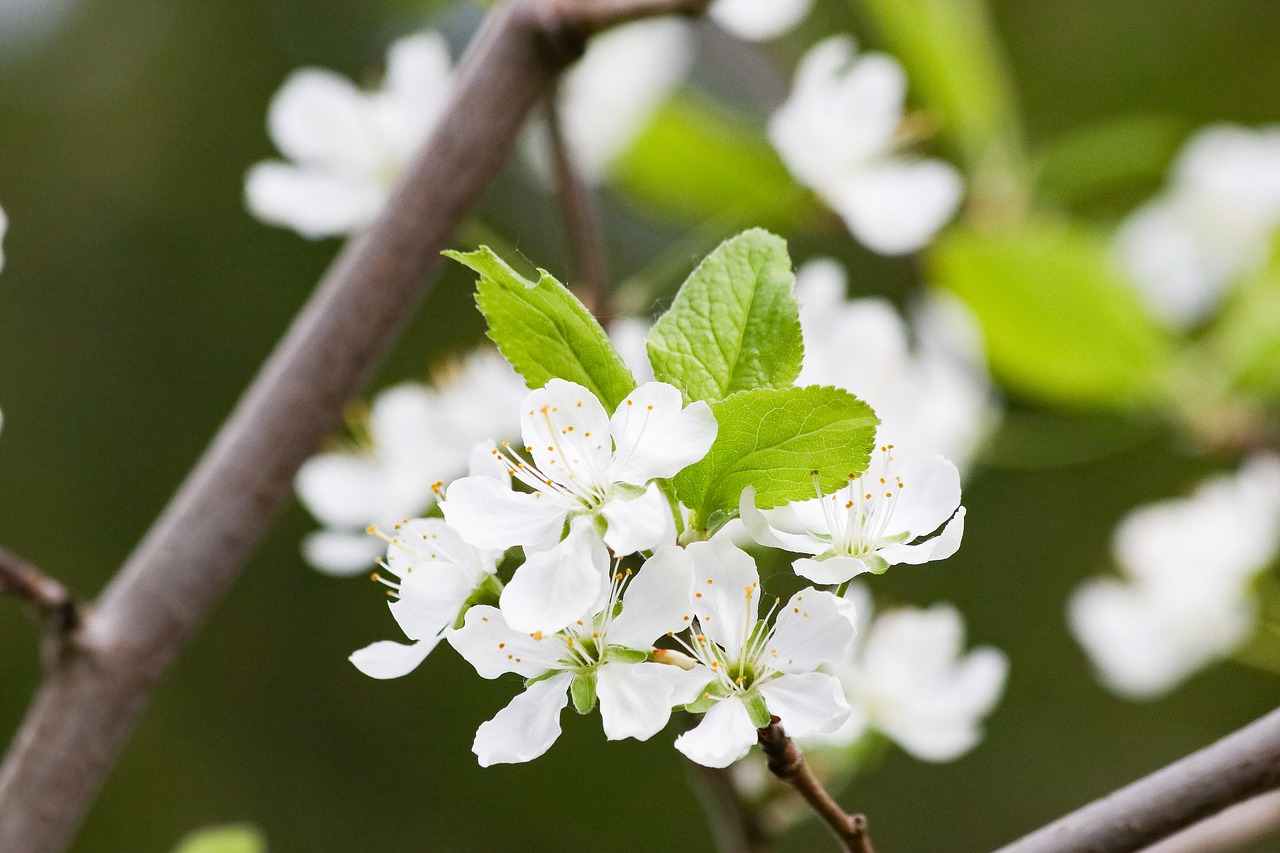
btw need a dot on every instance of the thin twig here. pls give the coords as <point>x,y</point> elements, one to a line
<point>1241,765</point>
<point>734,826</point>
<point>786,761</point>
<point>1231,829</point>
<point>87,705</point>
<point>53,603</point>
<point>590,279</point>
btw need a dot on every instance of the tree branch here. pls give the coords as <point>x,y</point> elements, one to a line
<point>1241,765</point>
<point>55,606</point>
<point>786,761</point>
<point>1245,823</point>
<point>87,705</point>
<point>734,826</point>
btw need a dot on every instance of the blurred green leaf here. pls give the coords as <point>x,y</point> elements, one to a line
<point>1061,324</point>
<point>734,325</point>
<point>544,331</point>
<point>1245,339</point>
<point>696,162</point>
<point>775,440</point>
<point>1098,158</point>
<point>224,839</point>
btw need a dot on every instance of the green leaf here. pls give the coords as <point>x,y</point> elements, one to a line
<point>544,331</point>
<point>1061,323</point>
<point>775,440</point>
<point>224,839</point>
<point>734,325</point>
<point>1128,152</point>
<point>723,166</point>
<point>1243,343</point>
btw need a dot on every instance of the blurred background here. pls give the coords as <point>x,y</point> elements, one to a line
<point>139,296</point>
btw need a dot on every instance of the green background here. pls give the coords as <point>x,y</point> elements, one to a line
<point>139,297</point>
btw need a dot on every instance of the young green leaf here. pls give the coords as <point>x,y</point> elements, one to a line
<point>544,331</point>
<point>734,325</point>
<point>223,839</point>
<point>775,440</point>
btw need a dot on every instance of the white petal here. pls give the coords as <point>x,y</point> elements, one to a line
<point>657,600</point>
<point>810,630</point>
<point>527,727</point>
<point>944,545</point>
<point>432,599</point>
<point>342,490</point>
<point>628,335</point>
<point>765,533</point>
<point>417,87</point>
<point>832,570</point>
<point>655,437</point>
<point>489,514</point>
<point>405,426</point>
<point>724,735</point>
<point>635,699</point>
<point>566,430</point>
<point>639,524</point>
<point>316,204</point>
<point>319,118</point>
<point>556,587</point>
<point>491,646</point>
<point>386,659</point>
<point>930,494</point>
<point>759,20</point>
<point>807,704</point>
<point>483,461</point>
<point>726,591</point>
<point>340,554</point>
<point>897,206</point>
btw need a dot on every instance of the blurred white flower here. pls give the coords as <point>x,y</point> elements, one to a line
<point>937,399</point>
<point>907,676</point>
<point>1185,600</point>
<point>348,147</point>
<point>26,25</point>
<point>628,335</point>
<point>1215,221</point>
<point>839,133</point>
<point>606,99</point>
<point>759,20</point>
<point>418,437</point>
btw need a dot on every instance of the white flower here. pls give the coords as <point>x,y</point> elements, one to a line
<point>751,670</point>
<point>759,20</point>
<point>348,147</point>
<point>908,678</point>
<point>586,467</point>
<point>608,97</point>
<point>437,573</point>
<point>838,134</point>
<point>628,335</point>
<point>1186,247</point>
<point>417,437</point>
<point>1187,598</point>
<point>935,398</point>
<point>869,525</point>
<point>604,656</point>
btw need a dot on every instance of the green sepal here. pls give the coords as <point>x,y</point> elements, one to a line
<point>617,654</point>
<point>583,691</point>
<point>712,693</point>
<point>757,710</point>
<point>488,592</point>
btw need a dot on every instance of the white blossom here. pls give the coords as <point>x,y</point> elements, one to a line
<point>416,438</point>
<point>1185,598</point>
<point>753,670</point>
<point>603,656</point>
<point>589,468</point>
<point>871,524</point>
<point>347,147</point>
<point>839,134</point>
<point>907,677</point>
<point>436,573</point>
<point>935,397</point>
<point>1215,222</point>
<point>759,20</point>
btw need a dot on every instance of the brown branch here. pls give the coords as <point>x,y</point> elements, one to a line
<point>1241,765</point>
<point>786,761</point>
<point>734,825</point>
<point>581,219</point>
<point>87,705</point>
<point>1245,823</point>
<point>53,603</point>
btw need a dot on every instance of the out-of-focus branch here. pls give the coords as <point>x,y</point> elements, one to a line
<point>1240,766</point>
<point>735,828</point>
<point>89,702</point>
<point>1246,823</point>
<point>786,761</point>
<point>56,607</point>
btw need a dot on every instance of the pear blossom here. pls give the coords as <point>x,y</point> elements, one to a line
<point>1215,222</point>
<point>1185,598</point>
<point>587,468</point>
<point>436,574</point>
<point>907,677</point>
<point>935,397</point>
<point>871,524</point>
<point>601,657</point>
<point>348,147</point>
<point>416,437</point>
<point>753,671</point>
<point>759,20</point>
<point>839,133</point>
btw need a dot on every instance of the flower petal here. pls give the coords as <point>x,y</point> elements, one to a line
<point>635,699</point>
<point>319,118</point>
<point>807,704</point>
<point>491,646</point>
<point>527,727</point>
<point>832,570</point>
<point>929,496</point>
<point>416,87</point>
<point>340,554</point>
<point>939,547</point>
<point>554,588</point>
<point>489,514</point>
<point>657,600</point>
<point>639,524</point>
<point>386,659</point>
<point>810,630</point>
<point>316,204</point>
<point>753,20</point>
<point>724,735</point>
<point>726,592</point>
<point>898,205</point>
<point>566,430</point>
<point>342,490</point>
<point>656,435</point>
<point>761,530</point>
